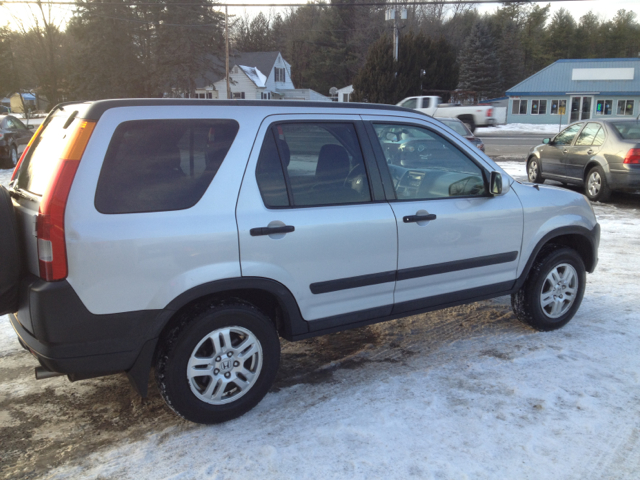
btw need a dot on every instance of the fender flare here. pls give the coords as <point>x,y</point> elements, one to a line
<point>592,237</point>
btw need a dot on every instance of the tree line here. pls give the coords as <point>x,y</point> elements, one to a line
<point>111,50</point>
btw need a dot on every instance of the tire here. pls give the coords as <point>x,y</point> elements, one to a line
<point>533,171</point>
<point>468,121</point>
<point>197,340</point>
<point>543,302</point>
<point>596,187</point>
<point>10,270</point>
<point>13,157</point>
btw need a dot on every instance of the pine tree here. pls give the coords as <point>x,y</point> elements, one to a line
<point>479,65</point>
<point>560,36</point>
<point>375,82</point>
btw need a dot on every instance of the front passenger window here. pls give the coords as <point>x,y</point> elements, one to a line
<point>566,136</point>
<point>425,165</point>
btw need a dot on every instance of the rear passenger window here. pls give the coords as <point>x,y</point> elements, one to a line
<point>588,134</point>
<point>161,165</point>
<point>322,162</point>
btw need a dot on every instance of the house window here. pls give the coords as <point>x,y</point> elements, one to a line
<point>538,107</point>
<point>280,74</point>
<point>558,107</point>
<point>345,97</point>
<point>238,95</point>
<point>625,107</point>
<point>519,107</point>
<point>265,95</point>
<point>604,107</point>
<point>543,107</point>
<point>209,95</point>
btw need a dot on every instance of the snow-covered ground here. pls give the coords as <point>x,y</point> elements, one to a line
<point>465,393</point>
<point>551,129</point>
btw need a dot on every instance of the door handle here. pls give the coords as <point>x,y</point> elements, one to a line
<point>564,150</point>
<point>590,151</point>
<point>418,218</point>
<point>256,232</point>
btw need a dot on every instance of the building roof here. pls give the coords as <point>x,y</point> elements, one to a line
<point>263,61</point>
<point>605,76</point>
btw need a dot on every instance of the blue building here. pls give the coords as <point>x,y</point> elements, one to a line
<point>571,90</point>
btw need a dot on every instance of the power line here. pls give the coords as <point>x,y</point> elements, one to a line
<point>346,5</point>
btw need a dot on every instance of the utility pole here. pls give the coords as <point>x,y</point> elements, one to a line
<point>226,60</point>
<point>393,15</point>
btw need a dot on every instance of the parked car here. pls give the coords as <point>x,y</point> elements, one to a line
<point>189,235</point>
<point>600,155</point>
<point>461,129</point>
<point>471,115</point>
<point>14,136</point>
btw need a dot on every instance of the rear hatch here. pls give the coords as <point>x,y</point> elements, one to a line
<point>40,186</point>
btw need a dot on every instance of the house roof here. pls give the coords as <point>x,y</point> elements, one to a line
<point>614,76</point>
<point>263,61</point>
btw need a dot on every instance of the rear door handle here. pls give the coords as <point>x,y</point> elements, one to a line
<point>418,218</point>
<point>256,232</point>
<point>589,152</point>
<point>564,151</point>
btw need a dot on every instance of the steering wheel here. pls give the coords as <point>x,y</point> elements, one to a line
<point>356,178</point>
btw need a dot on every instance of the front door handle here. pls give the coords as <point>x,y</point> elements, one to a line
<point>419,218</point>
<point>256,232</point>
<point>564,151</point>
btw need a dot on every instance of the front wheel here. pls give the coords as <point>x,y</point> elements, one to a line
<point>218,362</point>
<point>596,187</point>
<point>553,291</point>
<point>533,171</point>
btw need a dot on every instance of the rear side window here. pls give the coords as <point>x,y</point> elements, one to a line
<point>161,165</point>
<point>44,155</point>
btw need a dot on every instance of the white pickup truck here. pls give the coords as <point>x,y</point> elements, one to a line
<point>472,115</point>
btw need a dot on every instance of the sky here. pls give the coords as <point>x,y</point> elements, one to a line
<point>605,9</point>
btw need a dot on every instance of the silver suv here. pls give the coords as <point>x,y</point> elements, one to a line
<point>187,236</point>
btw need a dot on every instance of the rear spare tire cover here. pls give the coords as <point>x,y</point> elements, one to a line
<point>9,255</point>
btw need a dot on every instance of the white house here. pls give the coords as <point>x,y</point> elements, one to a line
<point>344,93</point>
<point>255,76</point>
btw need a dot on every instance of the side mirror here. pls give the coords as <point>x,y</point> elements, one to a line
<point>546,141</point>
<point>495,183</point>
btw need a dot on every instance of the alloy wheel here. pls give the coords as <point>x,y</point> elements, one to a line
<point>224,365</point>
<point>559,290</point>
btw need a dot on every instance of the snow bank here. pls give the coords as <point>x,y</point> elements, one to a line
<point>523,128</point>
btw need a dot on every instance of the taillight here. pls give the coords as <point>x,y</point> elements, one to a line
<point>490,112</point>
<point>633,156</point>
<point>52,250</point>
<point>24,153</point>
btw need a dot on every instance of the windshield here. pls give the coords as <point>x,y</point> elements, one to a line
<point>628,130</point>
<point>457,127</point>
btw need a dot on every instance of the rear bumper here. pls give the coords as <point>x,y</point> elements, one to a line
<point>55,326</point>
<point>625,180</point>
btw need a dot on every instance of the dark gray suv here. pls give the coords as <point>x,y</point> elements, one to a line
<point>601,155</point>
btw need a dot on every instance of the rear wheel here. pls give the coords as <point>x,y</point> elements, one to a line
<point>533,171</point>
<point>553,291</point>
<point>596,187</point>
<point>218,362</point>
<point>9,255</point>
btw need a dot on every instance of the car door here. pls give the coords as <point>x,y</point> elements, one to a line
<point>553,157</point>
<point>588,144</point>
<point>455,241</point>
<point>312,216</point>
